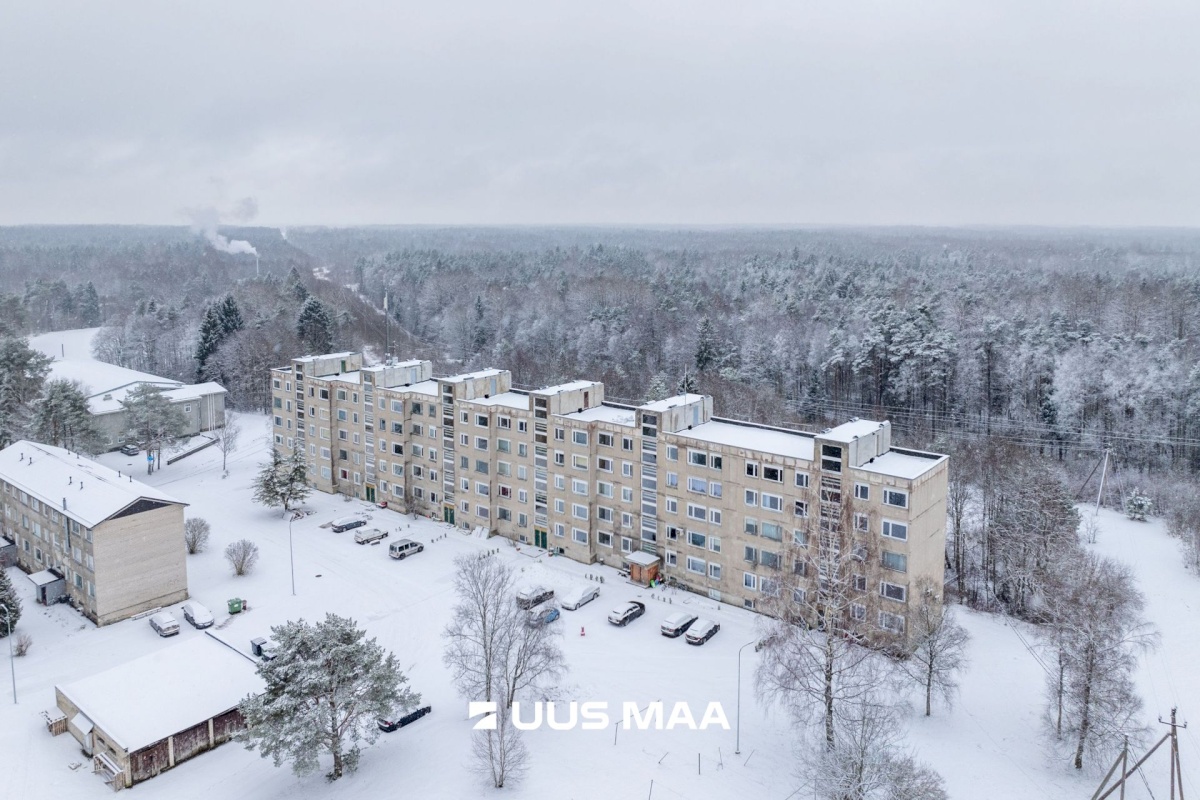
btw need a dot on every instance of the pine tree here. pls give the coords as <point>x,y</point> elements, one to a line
<point>296,285</point>
<point>63,418</point>
<point>23,372</point>
<point>230,316</point>
<point>660,387</point>
<point>10,601</point>
<point>706,345</point>
<point>293,487</point>
<point>687,384</point>
<point>324,690</point>
<point>154,420</point>
<point>209,340</point>
<point>89,306</point>
<point>315,326</point>
<point>266,485</point>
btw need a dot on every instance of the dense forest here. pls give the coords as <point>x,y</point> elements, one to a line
<point>1063,343</point>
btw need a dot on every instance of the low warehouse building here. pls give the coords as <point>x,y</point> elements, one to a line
<point>140,718</point>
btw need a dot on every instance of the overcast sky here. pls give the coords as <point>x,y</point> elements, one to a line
<point>911,112</point>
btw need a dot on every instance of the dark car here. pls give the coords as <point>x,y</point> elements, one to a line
<point>389,724</point>
<point>625,613</point>
<point>541,616</point>
<point>534,595</point>
<point>702,630</point>
<point>130,450</point>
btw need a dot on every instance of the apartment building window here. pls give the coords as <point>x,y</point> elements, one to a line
<point>279,422</point>
<point>772,531</point>
<point>604,439</point>
<point>481,421</point>
<point>398,470</point>
<point>862,491</point>
<point>697,512</point>
<point>466,484</point>
<point>278,439</point>
<point>893,591</point>
<point>604,514</point>
<point>893,623</point>
<point>696,539</point>
<point>503,468</point>
<point>895,561</point>
<point>671,505</point>
<point>698,485</point>
<point>504,423</point>
<point>751,497</point>
<point>579,462</point>
<point>895,530</point>
<point>560,482</point>
<point>714,516</point>
<point>481,512</point>
<point>579,437</point>
<point>560,506</point>
<point>893,497</point>
<point>800,508</point>
<point>751,527</point>
<point>604,489</point>
<point>560,458</point>
<point>752,469</point>
<point>696,565</point>
<point>626,544</point>
<point>774,474</point>
<point>464,439</point>
<point>560,435</point>
<point>481,443</point>
<point>464,417</point>
<point>398,406</point>
<point>626,519</point>
<point>831,458</point>
<point>342,436</point>
<point>672,558</point>
<point>464,462</point>
<point>580,535</point>
<point>324,394</point>
<point>433,454</point>
<point>522,449</point>
<point>714,489</point>
<point>522,496</point>
<point>482,489</point>
<point>698,458</point>
<point>627,469</point>
<point>627,494</point>
<point>417,471</point>
<point>522,472</point>
<point>672,453</point>
<point>416,429</point>
<point>398,428</point>
<point>750,580</point>
<point>341,395</point>
<point>522,520</point>
<point>275,383</point>
<point>503,446</point>
<point>862,523</point>
<point>278,403</point>
<point>417,451</point>
<point>799,596</point>
<point>326,473</point>
<point>578,486</point>
<point>341,415</point>
<point>627,443</point>
<point>772,502</point>
<point>522,426</point>
<point>481,467</point>
<point>750,554</point>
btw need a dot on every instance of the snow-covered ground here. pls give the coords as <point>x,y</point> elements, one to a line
<point>986,747</point>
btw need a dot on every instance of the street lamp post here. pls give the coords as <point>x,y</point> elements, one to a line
<point>11,659</point>
<point>292,550</point>
<point>738,749</point>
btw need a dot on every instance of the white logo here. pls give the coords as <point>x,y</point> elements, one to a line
<point>593,715</point>
<point>475,708</point>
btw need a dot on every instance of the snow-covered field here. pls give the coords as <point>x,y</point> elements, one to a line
<point>988,746</point>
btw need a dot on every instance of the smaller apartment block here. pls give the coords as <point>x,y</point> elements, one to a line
<point>110,545</point>
<point>718,506</point>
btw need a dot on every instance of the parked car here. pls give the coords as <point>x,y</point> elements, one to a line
<point>264,648</point>
<point>197,615</point>
<point>405,547</point>
<point>533,595</point>
<point>130,450</point>
<point>165,624</point>
<point>625,613</point>
<point>579,596</point>
<point>677,624</point>
<point>541,616</point>
<point>346,523</point>
<point>391,723</point>
<point>702,630</point>
<point>370,535</point>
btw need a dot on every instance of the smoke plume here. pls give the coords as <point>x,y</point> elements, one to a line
<point>205,221</point>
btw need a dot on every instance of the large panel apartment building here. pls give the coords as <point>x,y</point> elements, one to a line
<point>720,503</point>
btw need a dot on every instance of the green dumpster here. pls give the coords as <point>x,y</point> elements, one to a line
<point>235,605</point>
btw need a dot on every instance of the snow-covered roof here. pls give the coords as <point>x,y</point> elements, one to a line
<point>777,441</point>
<point>505,399</point>
<point>429,387</point>
<point>849,431</point>
<point>643,558</point>
<point>671,402</point>
<point>354,377</point>
<point>44,577</point>
<point>466,376</point>
<point>605,413</point>
<point>150,698</point>
<point>93,492</point>
<point>110,401</point>
<point>322,357</point>
<point>570,386</point>
<point>902,464</point>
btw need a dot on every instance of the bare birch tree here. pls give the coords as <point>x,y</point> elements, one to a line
<point>1096,636</point>
<point>227,439</point>
<point>937,646</point>
<point>500,755</point>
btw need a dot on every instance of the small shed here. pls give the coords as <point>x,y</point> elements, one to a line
<point>147,715</point>
<point>643,567</point>
<point>49,586</point>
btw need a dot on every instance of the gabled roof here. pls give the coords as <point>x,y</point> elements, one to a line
<point>92,491</point>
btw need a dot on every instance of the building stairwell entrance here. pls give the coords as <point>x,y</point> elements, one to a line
<point>539,537</point>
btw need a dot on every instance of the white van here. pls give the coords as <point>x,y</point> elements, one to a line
<point>405,547</point>
<point>346,523</point>
<point>677,624</point>
<point>165,624</point>
<point>197,615</point>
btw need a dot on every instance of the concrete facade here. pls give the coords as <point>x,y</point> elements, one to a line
<point>731,508</point>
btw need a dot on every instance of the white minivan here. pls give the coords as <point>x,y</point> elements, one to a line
<point>677,624</point>
<point>165,624</point>
<point>404,547</point>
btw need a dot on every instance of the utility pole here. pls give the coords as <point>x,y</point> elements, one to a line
<point>387,347</point>
<point>12,664</point>
<point>1103,473</point>
<point>1176,769</point>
